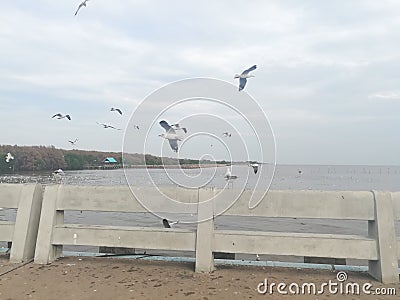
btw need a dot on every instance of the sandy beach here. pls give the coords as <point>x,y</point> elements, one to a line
<point>116,278</point>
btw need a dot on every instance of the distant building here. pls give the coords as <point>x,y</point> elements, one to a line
<point>110,160</point>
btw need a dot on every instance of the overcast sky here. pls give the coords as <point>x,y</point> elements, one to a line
<point>327,76</point>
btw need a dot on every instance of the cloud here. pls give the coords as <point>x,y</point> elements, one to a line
<point>388,95</point>
<point>318,62</point>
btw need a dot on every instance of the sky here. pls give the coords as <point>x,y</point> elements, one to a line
<point>327,74</point>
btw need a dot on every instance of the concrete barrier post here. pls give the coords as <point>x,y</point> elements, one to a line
<point>46,252</point>
<point>26,223</point>
<point>205,232</point>
<point>385,269</point>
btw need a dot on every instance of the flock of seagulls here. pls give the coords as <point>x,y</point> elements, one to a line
<point>170,130</point>
<point>67,116</point>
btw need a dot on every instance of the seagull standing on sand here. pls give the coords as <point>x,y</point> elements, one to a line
<point>108,126</point>
<point>117,110</point>
<point>168,224</point>
<point>61,116</point>
<point>8,157</point>
<point>170,135</point>
<point>255,167</point>
<point>80,5</point>
<point>243,77</point>
<point>178,127</point>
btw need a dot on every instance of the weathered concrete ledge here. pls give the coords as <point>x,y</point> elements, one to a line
<point>380,209</point>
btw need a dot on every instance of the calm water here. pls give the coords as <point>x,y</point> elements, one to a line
<point>286,177</point>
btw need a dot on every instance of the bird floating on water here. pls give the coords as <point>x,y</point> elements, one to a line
<point>167,224</point>
<point>228,174</point>
<point>117,110</point>
<point>243,77</point>
<point>9,157</point>
<point>178,127</point>
<point>227,134</point>
<point>61,116</point>
<point>73,142</point>
<point>170,135</point>
<point>108,126</point>
<point>80,5</point>
<point>255,167</point>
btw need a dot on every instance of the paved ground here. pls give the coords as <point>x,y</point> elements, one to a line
<point>111,278</point>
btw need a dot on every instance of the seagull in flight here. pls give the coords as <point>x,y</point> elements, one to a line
<point>178,127</point>
<point>80,5</point>
<point>167,224</point>
<point>108,126</point>
<point>227,134</point>
<point>73,142</point>
<point>255,167</point>
<point>136,127</point>
<point>117,110</point>
<point>243,77</point>
<point>9,157</point>
<point>170,135</point>
<point>61,116</point>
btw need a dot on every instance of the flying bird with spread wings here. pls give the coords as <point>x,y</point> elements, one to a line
<point>255,167</point>
<point>167,224</point>
<point>108,126</point>
<point>117,110</point>
<point>61,116</point>
<point>170,135</point>
<point>73,142</point>
<point>80,6</point>
<point>243,77</point>
<point>9,157</point>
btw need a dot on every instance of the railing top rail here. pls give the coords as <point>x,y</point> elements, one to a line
<point>124,199</point>
<point>357,205</point>
<point>396,205</point>
<point>10,194</point>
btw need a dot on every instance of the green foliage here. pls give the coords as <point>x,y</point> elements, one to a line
<point>42,158</point>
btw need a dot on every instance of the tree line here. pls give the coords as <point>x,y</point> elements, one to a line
<point>49,158</point>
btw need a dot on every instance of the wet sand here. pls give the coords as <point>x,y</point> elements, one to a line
<point>112,278</point>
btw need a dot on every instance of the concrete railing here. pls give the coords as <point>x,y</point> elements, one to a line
<point>380,209</point>
<point>380,247</point>
<point>53,233</point>
<point>27,200</point>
